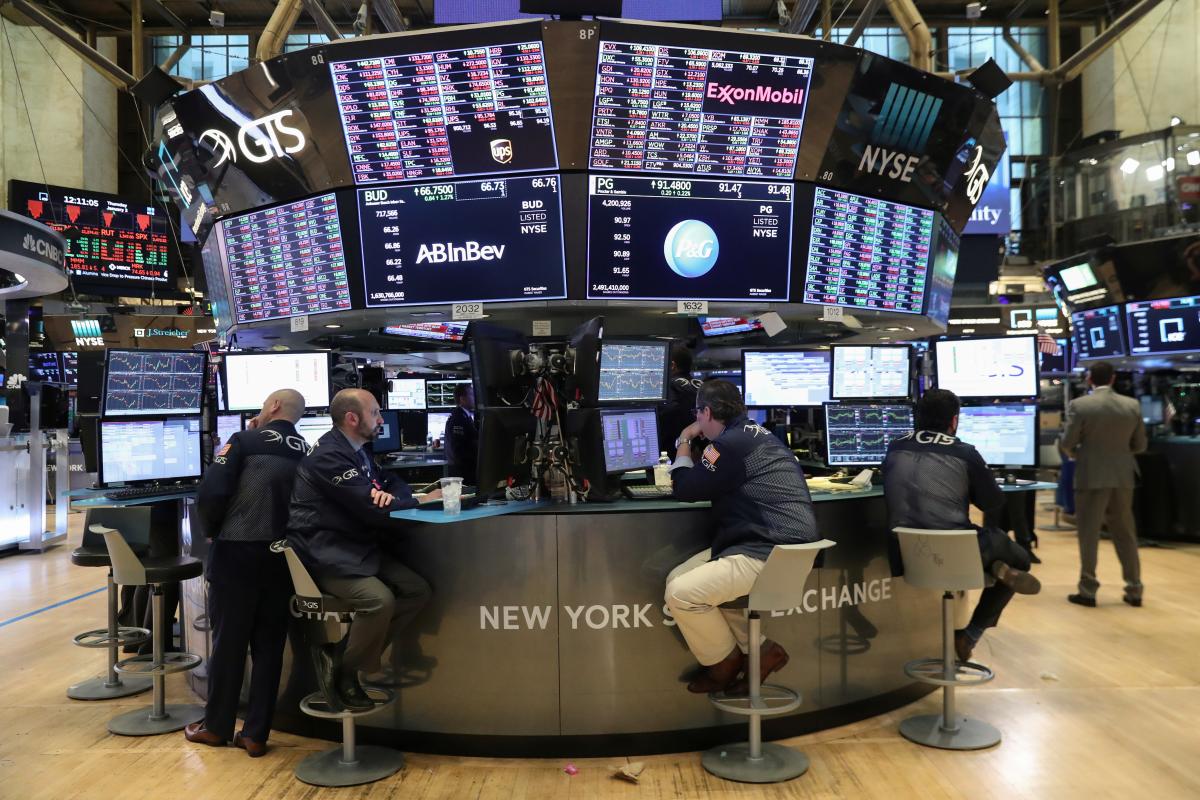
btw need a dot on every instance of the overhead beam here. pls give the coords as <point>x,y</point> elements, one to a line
<point>167,14</point>
<point>321,17</point>
<point>110,71</point>
<point>864,19</point>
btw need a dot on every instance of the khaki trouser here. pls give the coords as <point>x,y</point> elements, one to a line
<point>696,589</point>
<point>1094,507</point>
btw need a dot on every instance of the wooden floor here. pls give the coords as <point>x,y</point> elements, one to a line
<point>1092,703</point>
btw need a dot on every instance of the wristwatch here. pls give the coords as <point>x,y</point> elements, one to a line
<point>682,441</point>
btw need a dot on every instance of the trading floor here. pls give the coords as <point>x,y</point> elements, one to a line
<point>1092,703</point>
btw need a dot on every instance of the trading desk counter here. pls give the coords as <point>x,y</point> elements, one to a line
<point>547,633</point>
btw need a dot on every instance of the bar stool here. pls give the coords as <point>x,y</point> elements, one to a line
<point>91,553</point>
<point>325,616</point>
<point>129,570</point>
<point>947,561</point>
<point>779,586</point>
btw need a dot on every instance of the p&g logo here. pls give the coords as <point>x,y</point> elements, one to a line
<point>691,248</point>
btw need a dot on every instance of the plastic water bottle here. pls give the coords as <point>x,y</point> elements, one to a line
<point>662,470</point>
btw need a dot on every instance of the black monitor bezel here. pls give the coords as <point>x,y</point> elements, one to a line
<point>663,344</point>
<point>395,420</point>
<point>224,375</point>
<point>1037,365</point>
<point>1037,426</point>
<point>158,412</point>
<point>828,373</point>
<point>910,405</point>
<point>610,410</point>
<point>833,351</point>
<point>180,481</point>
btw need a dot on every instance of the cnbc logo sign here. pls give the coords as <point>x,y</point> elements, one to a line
<point>901,131</point>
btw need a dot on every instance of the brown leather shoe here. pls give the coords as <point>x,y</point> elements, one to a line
<point>774,658</point>
<point>963,646</point>
<point>253,749</point>
<point>196,732</point>
<point>719,676</point>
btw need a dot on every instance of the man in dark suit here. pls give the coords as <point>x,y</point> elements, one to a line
<point>679,409</point>
<point>462,436</point>
<point>1104,434</point>
<point>340,518</point>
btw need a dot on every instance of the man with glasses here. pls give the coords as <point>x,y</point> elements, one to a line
<point>760,499</point>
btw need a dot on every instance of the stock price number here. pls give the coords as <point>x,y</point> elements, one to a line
<point>672,188</point>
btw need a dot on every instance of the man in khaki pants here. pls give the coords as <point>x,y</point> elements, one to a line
<point>1104,433</point>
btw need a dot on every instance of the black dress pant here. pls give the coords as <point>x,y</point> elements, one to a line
<point>994,545</point>
<point>248,597</point>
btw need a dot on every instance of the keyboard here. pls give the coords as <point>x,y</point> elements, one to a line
<point>134,492</point>
<point>1018,482</point>
<point>648,492</point>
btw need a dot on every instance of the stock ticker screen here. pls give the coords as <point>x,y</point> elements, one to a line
<point>1098,333</point>
<point>491,240</point>
<point>286,261</point>
<point>446,113</point>
<point>633,371</point>
<point>152,382</point>
<point>696,110</point>
<point>1164,326</point>
<point>669,239</point>
<point>859,435</point>
<point>111,242</point>
<point>866,253</point>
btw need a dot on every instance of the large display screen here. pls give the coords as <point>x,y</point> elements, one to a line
<point>251,377</point>
<point>1164,326</point>
<point>462,12</point>
<point>438,331</point>
<point>866,253</point>
<point>785,377</point>
<point>940,291</point>
<point>1004,366</point>
<point>149,450</point>
<point>863,372</point>
<point>406,394</point>
<point>153,383</point>
<point>630,439</point>
<point>286,261</point>
<point>1098,333</point>
<point>671,239</point>
<point>859,435</point>
<point>440,394</point>
<point>495,240</point>
<point>45,365</point>
<point>633,371</point>
<point>727,326</point>
<point>1005,435</point>
<point>446,113</point>
<point>113,245</point>
<point>1080,283</point>
<point>698,110</point>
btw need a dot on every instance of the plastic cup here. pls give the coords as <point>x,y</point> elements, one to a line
<point>451,496</point>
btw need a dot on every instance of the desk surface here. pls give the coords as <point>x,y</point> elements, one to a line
<point>95,498</point>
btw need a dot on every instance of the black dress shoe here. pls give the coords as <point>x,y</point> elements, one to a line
<point>326,669</point>
<point>964,645</point>
<point>354,697</point>
<point>1082,600</point>
<point>1136,602</point>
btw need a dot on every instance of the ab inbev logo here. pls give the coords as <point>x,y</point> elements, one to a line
<point>903,126</point>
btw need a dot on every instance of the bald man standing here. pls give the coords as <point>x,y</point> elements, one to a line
<point>243,502</point>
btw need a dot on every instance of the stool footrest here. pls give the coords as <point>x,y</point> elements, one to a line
<point>773,700</point>
<point>100,638</point>
<point>171,662</point>
<point>315,704</point>
<point>933,671</point>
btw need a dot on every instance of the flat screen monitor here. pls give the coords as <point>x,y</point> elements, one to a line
<point>688,239</point>
<point>785,377</point>
<point>869,372</point>
<point>633,371</point>
<point>406,394</point>
<point>867,253</point>
<point>1160,327</point>
<point>388,439</point>
<point>1083,281</point>
<point>437,429</point>
<point>250,377</point>
<point>313,428</point>
<point>489,241</point>
<point>115,245</point>
<point>285,261</point>
<point>1002,366</point>
<point>436,331</point>
<point>1005,435</point>
<point>45,366</point>
<point>1098,333</point>
<point>858,435</point>
<point>630,438</point>
<point>148,450</point>
<point>228,425</point>
<point>440,394</point>
<point>446,113</point>
<point>711,112</point>
<point>942,273</point>
<point>153,383</point>
<point>70,367</point>
<point>1058,363</point>
<point>465,12</point>
<point>727,326</point>
<point>1153,409</point>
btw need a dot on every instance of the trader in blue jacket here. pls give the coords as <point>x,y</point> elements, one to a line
<point>340,519</point>
<point>760,499</point>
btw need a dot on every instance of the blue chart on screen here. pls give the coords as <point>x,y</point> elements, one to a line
<point>859,435</point>
<point>151,383</point>
<point>631,372</point>
<point>786,377</point>
<point>630,439</point>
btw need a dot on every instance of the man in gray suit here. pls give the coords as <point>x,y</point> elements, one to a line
<point>1104,433</point>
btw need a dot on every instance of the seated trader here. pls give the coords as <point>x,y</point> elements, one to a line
<point>244,501</point>
<point>760,500</point>
<point>462,436</point>
<point>339,519</point>
<point>930,477</point>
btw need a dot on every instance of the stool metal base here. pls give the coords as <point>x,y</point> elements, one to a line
<point>371,764</point>
<point>140,723</point>
<point>970,734</point>
<point>732,762</point>
<point>98,688</point>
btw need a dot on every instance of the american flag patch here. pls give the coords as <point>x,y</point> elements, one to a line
<point>711,454</point>
<point>224,449</point>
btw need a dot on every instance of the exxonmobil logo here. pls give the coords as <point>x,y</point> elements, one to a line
<point>724,93</point>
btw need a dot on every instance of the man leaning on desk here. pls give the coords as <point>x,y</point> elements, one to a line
<point>340,521</point>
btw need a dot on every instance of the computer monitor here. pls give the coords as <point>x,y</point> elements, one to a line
<point>437,331</point>
<point>989,367</point>
<point>1153,409</point>
<point>406,394</point>
<point>250,377</point>
<point>436,429</point>
<point>728,326</point>
<point>858,434</point>
<point>871,372</point>
<point>228,425</point>
<point>1098,333</point>
<point>1050,364</point>
<point>785,377</point>
<point>313,428</point>
<point>388,439</point>
<point>634,371</point>
<point>630,438</point>
<point>504,436</point>
<point>1005,434</point>
<point>440,394</point>
<point>146,451</point>
<point>153,383</point>
<point>491,348</point>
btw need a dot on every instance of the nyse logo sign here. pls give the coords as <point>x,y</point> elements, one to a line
<point>904,123</point>
<point>259,140</point>
<point>977,176</point>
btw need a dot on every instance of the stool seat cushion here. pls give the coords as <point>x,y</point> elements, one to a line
<point>166,569</point>
<point>737,602</point>
<point>90,557</point>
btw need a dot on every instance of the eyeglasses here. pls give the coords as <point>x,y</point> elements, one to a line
<point>696,411</point>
